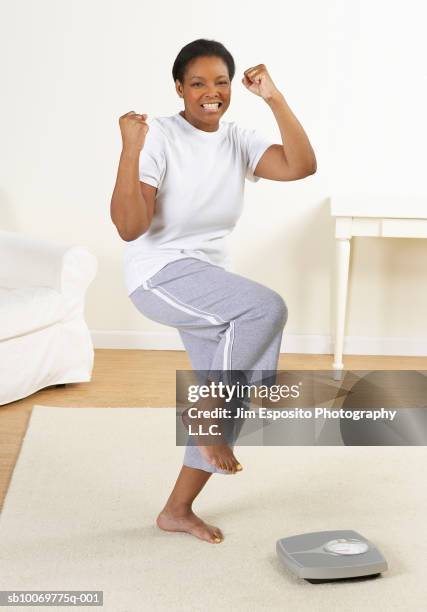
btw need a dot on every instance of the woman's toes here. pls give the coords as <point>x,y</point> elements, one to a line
<point>209,533</point>
<point>224,465</point>
<point>217,537</point>
<point>231,468</point>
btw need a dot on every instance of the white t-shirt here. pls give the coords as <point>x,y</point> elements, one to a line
<point>200,180</point>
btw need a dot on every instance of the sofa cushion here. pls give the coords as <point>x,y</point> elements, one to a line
<point>26,309</point>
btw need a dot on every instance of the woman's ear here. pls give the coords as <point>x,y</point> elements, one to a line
<point>179,89</point>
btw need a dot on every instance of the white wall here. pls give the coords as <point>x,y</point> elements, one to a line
<point>378,97</point>
<point>353,72</point>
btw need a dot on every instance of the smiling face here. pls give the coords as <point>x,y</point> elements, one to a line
<point>206,91</point>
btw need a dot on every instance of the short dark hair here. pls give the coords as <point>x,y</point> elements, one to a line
<point>199,48</point>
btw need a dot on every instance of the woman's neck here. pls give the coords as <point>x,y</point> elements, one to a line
<point>199,125</point>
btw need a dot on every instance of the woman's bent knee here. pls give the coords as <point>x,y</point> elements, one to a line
<point>278,309</point>
<point>271,307</point>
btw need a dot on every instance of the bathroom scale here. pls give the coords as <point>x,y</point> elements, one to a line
<point>326,556</point>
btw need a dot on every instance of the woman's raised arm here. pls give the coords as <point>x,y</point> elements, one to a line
<point>132,202</point>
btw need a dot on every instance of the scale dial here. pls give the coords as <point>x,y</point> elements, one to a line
<point>345,546</point>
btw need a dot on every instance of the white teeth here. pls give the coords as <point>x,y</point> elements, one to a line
<point>216,105</point>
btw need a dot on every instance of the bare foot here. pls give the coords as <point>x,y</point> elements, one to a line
<point>213,449</point>
<point>188,522</point>
<point>222,457</point>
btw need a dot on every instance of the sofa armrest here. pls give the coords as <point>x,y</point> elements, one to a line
<point>26,261</point>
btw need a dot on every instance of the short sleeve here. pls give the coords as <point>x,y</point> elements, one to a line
<point>254,146</point>
<point>152,163</point>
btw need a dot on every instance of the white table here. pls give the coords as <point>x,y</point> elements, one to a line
<point>385,217</point>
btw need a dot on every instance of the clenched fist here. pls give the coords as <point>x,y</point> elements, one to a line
<point>134,130</point>
<point>259,82</point>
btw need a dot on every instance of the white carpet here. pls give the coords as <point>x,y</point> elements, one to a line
<point>89,482</point>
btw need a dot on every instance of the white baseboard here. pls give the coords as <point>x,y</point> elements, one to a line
<point>291,343</point>
<point>160,341</point>
<point>365,345</point>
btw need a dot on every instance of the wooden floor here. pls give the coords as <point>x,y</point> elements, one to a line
<point>136,378</point>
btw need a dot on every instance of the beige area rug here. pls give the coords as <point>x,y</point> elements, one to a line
<point>89,482</point>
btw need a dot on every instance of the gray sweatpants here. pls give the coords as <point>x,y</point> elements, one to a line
<point>226,321</point>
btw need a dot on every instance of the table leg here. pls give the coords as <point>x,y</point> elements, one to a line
<point>341,277</point>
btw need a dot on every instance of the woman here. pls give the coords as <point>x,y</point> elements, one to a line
<point>178,194</point>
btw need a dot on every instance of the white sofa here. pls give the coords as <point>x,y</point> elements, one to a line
<point>44,339</point>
